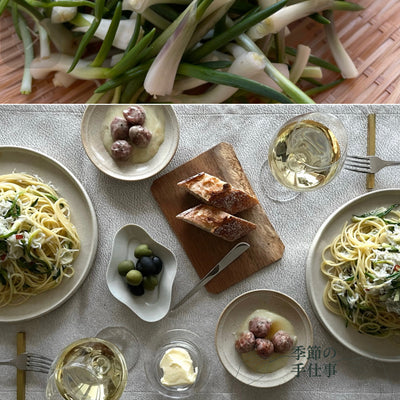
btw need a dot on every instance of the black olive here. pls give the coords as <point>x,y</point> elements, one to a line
<point>158,263</point>
<point>146,266</point>
<point>137,290</point>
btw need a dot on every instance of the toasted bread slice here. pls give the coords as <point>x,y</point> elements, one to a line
<point>214,191</point>
<point>217,222</point>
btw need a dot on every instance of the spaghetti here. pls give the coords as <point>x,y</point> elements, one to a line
<point>362,265</point>
<point>38,242</point>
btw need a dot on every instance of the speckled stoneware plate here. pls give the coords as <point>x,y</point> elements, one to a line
<point>17,159</point>
<point>154,304</point>
<point>230,323</point>
<point>365,345</point>
<point>95,127</point>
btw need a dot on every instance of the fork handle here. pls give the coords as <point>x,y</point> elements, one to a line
<point>7,362</point>
<point>389,163</point>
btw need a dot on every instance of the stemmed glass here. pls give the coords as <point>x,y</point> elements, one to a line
<point>305,154</point>
<point>94,368</point>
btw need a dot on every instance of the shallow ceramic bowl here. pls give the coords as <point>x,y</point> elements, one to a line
<point>154,304</point>
<point>94,123</point>
<point>231,320</point>
<point>193,344</point>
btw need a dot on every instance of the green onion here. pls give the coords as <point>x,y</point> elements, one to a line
<point>141,5</point>
<point>135,34</point>
<point>109,38</point>
<point>155,19</point>
<point>284,83</point>
<point>233,32</point>
<point>303,54</point>
<point>8,234</point>
<point>224,78</point>
<point>129,60</point>
<point>161,75</point>
<point>322,88</point>
<point>41,67</point>
<point>346,65</point>
<point>61,14</point>
<point>61,3</point>
<point>315,60</point>
<point>26,84</point>
<point>380,212</point>
<point>156,46</point>
<point>3,5</point>
<point>137,72</point>
<point>99,8</point>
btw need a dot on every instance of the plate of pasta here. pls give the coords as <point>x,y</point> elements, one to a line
<point>353,275</point>
<point>48,234</point>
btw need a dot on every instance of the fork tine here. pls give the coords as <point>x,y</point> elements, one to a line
<point>36,362</point>
<point>358,160</point>
<point>44,363</point>
<point>357,169</point>
<point>38,357</point>
<point>358,164</point>
<point>35,368</point>
<point>364,158</point>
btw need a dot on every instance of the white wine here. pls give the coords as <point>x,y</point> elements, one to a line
<point>89,369</point>
<point>305,155</point>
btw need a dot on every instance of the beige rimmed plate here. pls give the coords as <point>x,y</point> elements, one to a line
<point>17,159</point>
<point>365,345</point>
<point>232,318</point>
<point>95,124</point>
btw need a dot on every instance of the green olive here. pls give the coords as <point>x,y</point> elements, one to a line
<point>125,266</point>
<point>134,277</point>
<point>150,282</point>
<point>142,250</point>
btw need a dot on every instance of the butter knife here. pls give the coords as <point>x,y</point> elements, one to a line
<point>231,256</point>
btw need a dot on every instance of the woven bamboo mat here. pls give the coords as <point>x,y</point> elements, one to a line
<point>371,37</point>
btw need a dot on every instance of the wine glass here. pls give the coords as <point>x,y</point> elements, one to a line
<point>94,368</point>
<point>306,153</point>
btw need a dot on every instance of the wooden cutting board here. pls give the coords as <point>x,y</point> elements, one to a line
<point>203,249</point>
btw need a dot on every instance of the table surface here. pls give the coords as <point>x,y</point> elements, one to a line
<point>55,131</point>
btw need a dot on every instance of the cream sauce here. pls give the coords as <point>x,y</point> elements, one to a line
<point>155,123</point>
<point>277,360</point>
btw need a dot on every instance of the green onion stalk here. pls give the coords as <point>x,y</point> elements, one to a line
<point>339,53</point>
<point>26,84</point>
<point>141,5</point>
<point>161,75</point>
<point>246,65</point>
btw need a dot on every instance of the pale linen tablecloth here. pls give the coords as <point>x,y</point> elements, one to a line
<point>55,131</point>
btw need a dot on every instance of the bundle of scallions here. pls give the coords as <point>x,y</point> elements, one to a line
<point>179,51</point>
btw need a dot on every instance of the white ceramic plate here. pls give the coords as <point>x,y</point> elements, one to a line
<point>16,159</point>
<point>92,128</point>
<point>365,345</point>
<point>154,304</point>
<point>231,320</point>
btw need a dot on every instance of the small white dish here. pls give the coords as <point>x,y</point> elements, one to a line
<point>182,338</point>
<point>231,320</point>
<point>95,123</point>
<point>154,304</point>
